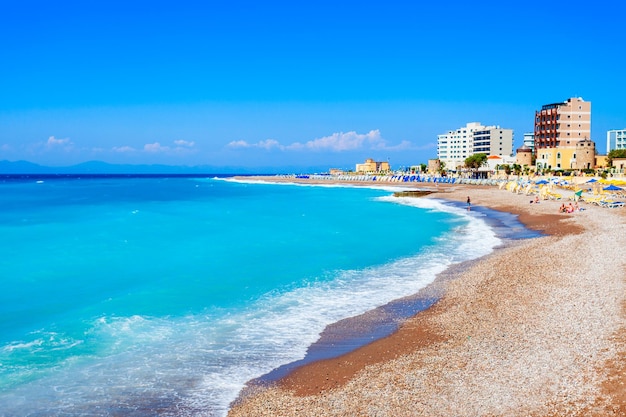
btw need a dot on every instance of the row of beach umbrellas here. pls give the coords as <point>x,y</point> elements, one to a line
<point>610,187</point>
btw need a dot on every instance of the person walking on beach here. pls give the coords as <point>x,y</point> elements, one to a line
<point>469,203</point>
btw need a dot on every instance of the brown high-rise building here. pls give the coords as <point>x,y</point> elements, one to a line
<point>562,124</point>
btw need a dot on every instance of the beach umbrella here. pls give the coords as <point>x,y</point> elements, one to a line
<point>612,188</point>
<point>592,180</point>
<point>541,182</point>
<point>579,193</point>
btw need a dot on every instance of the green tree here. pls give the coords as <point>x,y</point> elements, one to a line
<point>476,161</point>
<point>442,167</point>
<point>423,167</point>
<point>615,153</point>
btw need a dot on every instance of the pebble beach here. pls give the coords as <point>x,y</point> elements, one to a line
<point>534,329</point>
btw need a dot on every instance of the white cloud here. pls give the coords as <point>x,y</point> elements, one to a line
<point>239,144</point>
<point>155,147</point>
<point>339,142</point>
<point>265,144</point>
<point>404,145</point>
<point>6,148</point>
<point>269,144</point>
<point>123,149</point>
<point>52,141</point>
<point>184,143</point>
<point>183,147</point>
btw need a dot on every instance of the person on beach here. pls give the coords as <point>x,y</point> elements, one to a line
<point>469,203</point>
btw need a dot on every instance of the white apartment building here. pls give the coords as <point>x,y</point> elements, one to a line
<point>615,139</point>
<point>529,140</point>
<point>457,145</point>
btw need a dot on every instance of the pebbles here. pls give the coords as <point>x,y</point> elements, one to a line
<point>525,331</point>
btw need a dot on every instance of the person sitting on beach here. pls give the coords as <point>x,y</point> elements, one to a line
<point>562,209</point>
<point>536,200</point>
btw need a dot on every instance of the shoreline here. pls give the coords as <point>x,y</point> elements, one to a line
<point>352,333</point>
<point>432,347</point>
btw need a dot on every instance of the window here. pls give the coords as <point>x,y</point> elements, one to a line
<point>558,155</point>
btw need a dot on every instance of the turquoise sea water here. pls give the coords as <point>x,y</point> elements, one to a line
<point>163,296</point>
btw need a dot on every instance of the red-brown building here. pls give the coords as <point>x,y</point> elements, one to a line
<point>560,124</point>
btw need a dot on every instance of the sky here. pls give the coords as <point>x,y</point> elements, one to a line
<point>293,85</point>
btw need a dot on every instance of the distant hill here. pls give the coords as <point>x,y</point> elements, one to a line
<point>23,167</point>
<point>99,167</point>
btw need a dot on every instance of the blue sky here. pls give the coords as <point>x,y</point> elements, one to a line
<point>285,84</point>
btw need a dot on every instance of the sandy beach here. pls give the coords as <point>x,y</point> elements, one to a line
<point>534,329</point>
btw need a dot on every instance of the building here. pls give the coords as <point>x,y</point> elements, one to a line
<point>529,141</point>
<point>372,166</point>
<point>568,156</point>
<point>457,145</point>
<point>615,139</point>
<point>602,161</point>
<point>563,136</point>
<point>619,165</point>
<point>495,163</point>
<point>524,156</point>
<point>558,122</point>
<point>434,165</point>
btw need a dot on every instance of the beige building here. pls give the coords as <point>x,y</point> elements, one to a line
<point>620,165</point>
<point>524,156</point>
<point>372,166</point>
<point>602,161</point>
<point>434,165</point>
<point>568,156</point>
<point>559,122</point>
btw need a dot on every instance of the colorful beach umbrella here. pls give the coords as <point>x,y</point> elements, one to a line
<point>612,188</point>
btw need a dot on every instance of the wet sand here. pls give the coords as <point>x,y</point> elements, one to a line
<point>536,328</point>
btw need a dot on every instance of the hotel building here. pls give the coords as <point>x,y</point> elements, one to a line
<point>457,145</point>
<point>615,139</point>
<point>529,141</point>
<point>560,124</point>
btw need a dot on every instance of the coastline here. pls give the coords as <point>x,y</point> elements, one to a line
<point>535,328</point>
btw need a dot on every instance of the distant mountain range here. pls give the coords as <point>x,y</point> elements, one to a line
<point>98,167</point>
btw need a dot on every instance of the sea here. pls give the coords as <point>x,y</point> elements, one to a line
<point>164,295</point>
